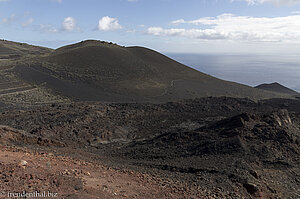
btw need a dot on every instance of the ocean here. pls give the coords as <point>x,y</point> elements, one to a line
<point>247,69</point>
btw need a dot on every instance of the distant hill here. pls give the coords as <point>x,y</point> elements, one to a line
<point>101,71</point>
<point>276,87</point>
<point>9,49</point>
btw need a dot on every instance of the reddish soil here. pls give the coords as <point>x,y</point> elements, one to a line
<point>203,148</point>
<point>75,178</point>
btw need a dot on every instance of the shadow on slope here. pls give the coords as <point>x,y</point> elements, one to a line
<point>94,70</point>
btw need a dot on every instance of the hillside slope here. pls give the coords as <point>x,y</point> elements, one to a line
<point>101,71</point>
<point>9,49</point>
<point>276,87</point>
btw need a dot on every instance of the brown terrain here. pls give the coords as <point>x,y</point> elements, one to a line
<point>225,142</point>
<point>67,177</point>
<point>277,88</point>
<point>100,71</point>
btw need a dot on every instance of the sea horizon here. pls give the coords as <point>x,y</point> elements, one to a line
<point>250,69</point>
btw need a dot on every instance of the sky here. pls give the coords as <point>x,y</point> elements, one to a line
<point>173,26</point>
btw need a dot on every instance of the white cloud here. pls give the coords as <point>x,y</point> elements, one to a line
<point>28,22</point>
<point>58,1</point>
<point>69,24</point>
<point>178,21</point>
<point>277,2</point>
<point>9,20</point>
<point>207,34</point>
<point>107,23</point>
<point>48,28</point>
<point>130,31</point>
<point>237,28</point>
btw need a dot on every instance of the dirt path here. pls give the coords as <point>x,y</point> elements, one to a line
<point>16,90</point>
<point>25,170</point>
<point>167,88</point>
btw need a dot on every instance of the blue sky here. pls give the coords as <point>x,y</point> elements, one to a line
<point>191,26</point>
